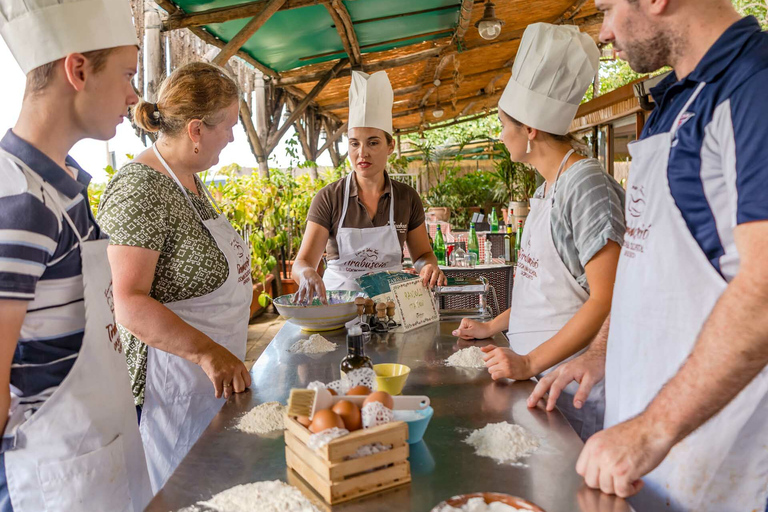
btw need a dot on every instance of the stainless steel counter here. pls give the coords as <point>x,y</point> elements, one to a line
<point>441,465</point>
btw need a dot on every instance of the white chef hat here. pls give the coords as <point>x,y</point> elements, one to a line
<point>553,69</point>
<point>42,31</point>
<point>370,101</point>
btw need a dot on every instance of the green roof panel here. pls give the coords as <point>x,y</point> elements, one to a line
<point>299,37</point>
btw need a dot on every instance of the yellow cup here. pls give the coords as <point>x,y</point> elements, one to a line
<point>391,377</point>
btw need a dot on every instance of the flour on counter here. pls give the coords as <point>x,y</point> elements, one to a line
<point>316,344</point>
<point>505,442</point>
<point>479,505</point>
<point>263,418</point>
<point>274,496</point>
<point>470,357</point>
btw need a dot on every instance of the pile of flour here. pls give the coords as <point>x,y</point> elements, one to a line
<point>263,418</point>
<point>479,505</point>
<point>471,357</point>
<point>316,344</point>
<point>274,496</point>
<point>505,442</point>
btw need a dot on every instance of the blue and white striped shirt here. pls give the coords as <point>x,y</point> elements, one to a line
<point>718,165</point>
<point>40,263</point>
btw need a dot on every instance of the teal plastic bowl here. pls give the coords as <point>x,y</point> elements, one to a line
<point>417,428</point>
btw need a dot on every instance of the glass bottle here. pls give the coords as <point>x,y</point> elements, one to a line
<point>508,247</point>
<point>494,221</point>
<point>473,246</point>
<point>439,247</point>
<point>355,358</point>
<point>518,239</point>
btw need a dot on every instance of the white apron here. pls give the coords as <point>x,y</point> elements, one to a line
<point>665,290</point>
<point>81,451</point>
<point>544,298</point>
<point>179,399</point>
<point>363,250</point>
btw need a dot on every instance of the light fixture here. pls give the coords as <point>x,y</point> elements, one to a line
<point>438,112</point>
<point>489,25</point>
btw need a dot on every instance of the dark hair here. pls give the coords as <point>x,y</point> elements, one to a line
<point>40,77</point>
<point>568,138</point>
<point>196,91</point>
<point>389,138</point>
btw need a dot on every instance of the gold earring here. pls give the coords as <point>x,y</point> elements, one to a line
<point>197,150</point>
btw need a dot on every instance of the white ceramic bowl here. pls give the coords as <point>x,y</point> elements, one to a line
<point>317,316</point>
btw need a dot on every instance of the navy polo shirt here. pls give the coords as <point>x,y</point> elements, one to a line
<point>718,164</point>
<point>40,264</point>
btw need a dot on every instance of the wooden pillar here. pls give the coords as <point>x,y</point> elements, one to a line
<point>609,149</point>
<point>153,60</point>
<point>399,151</point>
<point>639,124</point>
<point>260,105</point>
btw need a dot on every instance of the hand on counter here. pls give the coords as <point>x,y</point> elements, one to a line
<point>588,369</point>
<point>615,459</point>
<point>432,276</point>
<point>227,373</point>
<point>311,286</point>
<point>473,330</point>
<point>503,363</point>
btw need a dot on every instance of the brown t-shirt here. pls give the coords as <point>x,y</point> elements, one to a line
<point>327,206</point>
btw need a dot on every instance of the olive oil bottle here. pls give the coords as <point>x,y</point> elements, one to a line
<point>355,358</point>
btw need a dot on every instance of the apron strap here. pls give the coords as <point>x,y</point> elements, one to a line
<point>346,201</point>
<point>27,170</point>
<point>676,124</point>
<point>183,189</point>
<point>557,178</point>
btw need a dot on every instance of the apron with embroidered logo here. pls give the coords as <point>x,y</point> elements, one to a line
<point>363,250</point>
<point>179,399</point>
<point>665,290</point>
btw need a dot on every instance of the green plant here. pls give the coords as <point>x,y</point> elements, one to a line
<point>517,181</point>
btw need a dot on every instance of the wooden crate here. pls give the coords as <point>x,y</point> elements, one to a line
<point>338,480</point>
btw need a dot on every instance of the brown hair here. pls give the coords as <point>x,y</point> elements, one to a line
<point>196,91</point>
<point>40,77</point>
<point>568,138</point>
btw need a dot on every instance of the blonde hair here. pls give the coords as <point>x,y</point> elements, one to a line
<point>196,91</point>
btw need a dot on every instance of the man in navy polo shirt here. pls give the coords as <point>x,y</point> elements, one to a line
<point>687,348</point>
<point>70,439</point>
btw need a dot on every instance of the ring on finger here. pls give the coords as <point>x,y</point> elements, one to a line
<point>227,385</point>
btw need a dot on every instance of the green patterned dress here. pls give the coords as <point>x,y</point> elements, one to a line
<point>144,208</point>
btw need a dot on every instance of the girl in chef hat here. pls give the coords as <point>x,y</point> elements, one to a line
<point>571,241</point>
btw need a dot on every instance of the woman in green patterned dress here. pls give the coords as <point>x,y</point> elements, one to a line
<point>181,273</point>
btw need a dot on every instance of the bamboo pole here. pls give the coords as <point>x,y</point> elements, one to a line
<point>153,62</point>
<point>346,31</point>
<point>253,139</point>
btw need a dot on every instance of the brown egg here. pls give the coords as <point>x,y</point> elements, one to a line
<point>324,420</point>
<point>304,420</point>
<point>331,391</point>
<point>380,396</point>
<point>350,414</point>
<point>359,390</point>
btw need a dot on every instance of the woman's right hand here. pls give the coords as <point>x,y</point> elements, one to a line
<point>227,373</point>
<point>473,330</point>
<point>311,285</point>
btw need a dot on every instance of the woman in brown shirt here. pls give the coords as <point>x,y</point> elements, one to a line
<point>363,221</point>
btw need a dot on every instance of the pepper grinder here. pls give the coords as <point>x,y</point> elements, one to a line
<point>381,317</point>
<point>391,314</point>
<point>360,305</point>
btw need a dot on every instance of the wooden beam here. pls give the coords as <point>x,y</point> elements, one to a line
<point>296,112</point>
<point>332,137</point>
<point>489,89</point>
<point>426,96</point>
<point>476,97</point>
<point>346,30</point>
<point>179,19</point>
<point>465,16</point>
<point>444,125</point>
<point>571,11</point>
<point>466,108</point>
<point>446,33</point>
<point>237,42</point>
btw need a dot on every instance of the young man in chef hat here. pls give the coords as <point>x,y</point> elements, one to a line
<point>71,439</point>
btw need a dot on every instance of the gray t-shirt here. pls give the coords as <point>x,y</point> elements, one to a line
<point>588,211</point>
